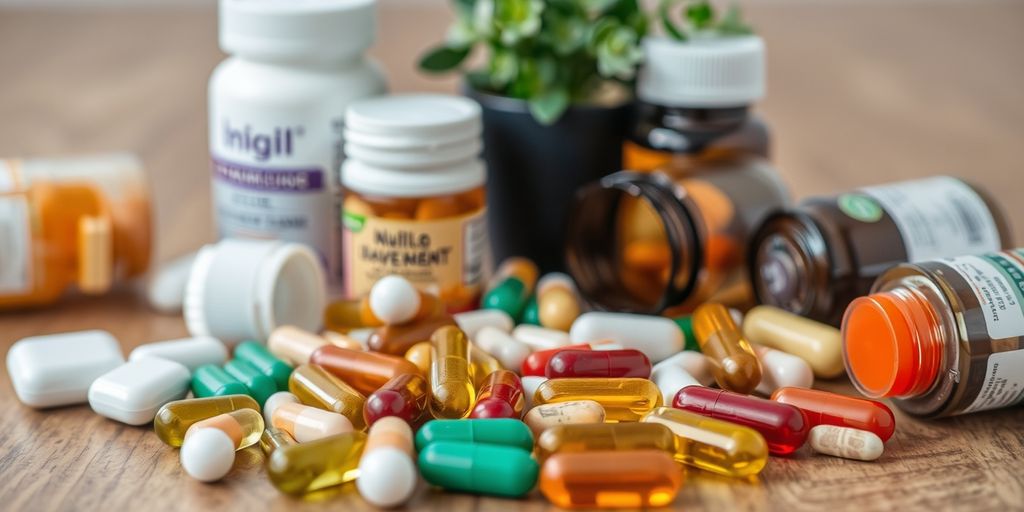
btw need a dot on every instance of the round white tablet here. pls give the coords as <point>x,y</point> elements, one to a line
<point>394,300</point>
<point>207,454</point>
<point>387,477</point>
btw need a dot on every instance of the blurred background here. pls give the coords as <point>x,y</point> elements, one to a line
<point>859,91</point>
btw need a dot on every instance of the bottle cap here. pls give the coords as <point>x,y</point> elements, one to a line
<point>303,29</point>
<point>708,72</point>
<point>244,289</point>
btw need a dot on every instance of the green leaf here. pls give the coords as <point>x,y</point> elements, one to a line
<point>549,106</point>
<point>700,14</point>
<point>732,23</point>
<point>442,59</point>
<point>664,12</point>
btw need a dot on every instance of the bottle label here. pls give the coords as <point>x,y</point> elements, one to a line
<point>937,217</point>
<point>274,176</point>
<point>15,235</point>
<point>998,283</point>
<point>445,253</point>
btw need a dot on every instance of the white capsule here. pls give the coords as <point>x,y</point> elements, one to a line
<point>670,379</point>
<point>540,338</point>
<point>394,300</point>
<point>656,336</point>
<point>693,362</point>
<point>563,413</point>
<point>277,400</point>
<point>387,471</point>
<point>191,352</point>
<point>530,385</point>
<point>472,321</point>
<point>782,370</point>
<point>306,423</point>
<point>848,443</point>
<point>509,351</point>
<point>207,454</point>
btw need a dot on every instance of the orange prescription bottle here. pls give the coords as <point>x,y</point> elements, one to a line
<point>414,196</point>
<point>941,337</point>
<point>82,221</point>
<point>669,240</point>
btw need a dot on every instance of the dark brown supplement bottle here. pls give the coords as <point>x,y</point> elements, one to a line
<point>694,101</point>
<point>668,240</point>
<point>815,258</point>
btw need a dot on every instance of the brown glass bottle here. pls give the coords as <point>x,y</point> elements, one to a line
<point>668,240</point>
<point>814,259</point>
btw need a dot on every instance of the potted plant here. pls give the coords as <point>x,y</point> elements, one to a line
<point>555,88</point>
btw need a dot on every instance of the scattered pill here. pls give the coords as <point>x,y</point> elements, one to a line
<point>387,469</point>
<point>558,303</point>
<point>695,364</point>
<point>611,479</point>
<point>277,400</point>
<point>605,436</point>
<point>713,445</point>
<point>500,396</point>
<point>451,383</point>
<point>598,363</point>
<point>530,385</point>
<point>306,467</point>
<point>212,380</point>
<point>509,351</point>
<point>190,352</point>
<point>208,455</point>
<point>365,371</point>
<point>825,408</point>
<point>174,418</point>
<point>259,385</point>
<point>506,432</point>
<point>259,357</point>
<point>345,340</point>
<point>563,413</point>
<point>733,362</point>
<point>305,423</point>
<point>848,443</point>
<point>656,336</point>
<point>511,286</point>
<point>397,339</point>
<point>670,379</point>
<point>57,369</point>
<point>540,338</point>
<point>244,427</point>
<point>781,370</point>
<point>471,322</point>
<point>783,426</point>
<point>293,345</point>
<point>478,468</point>
<point>318,388</point>
<point>623,399</point>
<point>405,397</point>
<point>394,300</point>
<point>819,344</point>
<point>133,392</point>
<point>273,439</point>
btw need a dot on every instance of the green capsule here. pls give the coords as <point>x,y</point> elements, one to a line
<point>501,431</point>
<point>212,380</point>
<point>260,386</point>
<point>479,468</point>
<point>685,324</point>
<point>509,296</point>
<point>257,355</point>
<point>531,314</point>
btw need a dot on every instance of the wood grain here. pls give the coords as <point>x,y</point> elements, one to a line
<point>859,93</point>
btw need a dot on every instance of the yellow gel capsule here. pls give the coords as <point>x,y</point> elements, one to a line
<point>419,355</point>
<point>273,438</point>
<point>174,418</point>
<point>244,426</point>
<point>713,445</point>
<point>452,394</point>
<point>623,399</point>
<point>481,364</point>
<point>605,436</point>
<point>733,361</point>
<point>316,387</point>
<point>306,467</point>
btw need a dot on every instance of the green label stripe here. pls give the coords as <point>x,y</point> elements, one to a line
<point>1012,271</point>
<point>860,207</point>
<point>353,221</point>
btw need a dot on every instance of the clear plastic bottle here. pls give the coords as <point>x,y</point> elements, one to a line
<point>277,110</point>
<point>941,337</point>
<point>79,221</point>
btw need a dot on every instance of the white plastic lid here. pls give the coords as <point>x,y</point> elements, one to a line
<point>307,29</point>
<point>707,72</point>
<point>243,289</point>
<point>366,179</point>
<point>417,117</point>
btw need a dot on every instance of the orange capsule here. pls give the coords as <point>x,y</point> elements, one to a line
<point>365,371</point>
<point>398,339</point>
<point>611,479</point>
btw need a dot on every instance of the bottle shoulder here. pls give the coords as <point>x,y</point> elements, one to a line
<point>242,79</point>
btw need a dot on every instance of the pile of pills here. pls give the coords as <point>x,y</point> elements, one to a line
<point>595,409</point>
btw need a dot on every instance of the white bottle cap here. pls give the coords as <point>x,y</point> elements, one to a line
<point>244,289</point>
<point>305,29</point>
<point>708,72</point>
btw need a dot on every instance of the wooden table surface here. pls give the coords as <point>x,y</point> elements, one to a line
<point>859,93</point>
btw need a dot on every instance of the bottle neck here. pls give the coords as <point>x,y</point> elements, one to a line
<point>790,265</point>
<point>686,129</point>
<point>893,341</point>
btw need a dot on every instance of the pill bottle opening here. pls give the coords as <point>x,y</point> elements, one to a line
<point>888,345</point>
<point>298,290</point>
<point>789,264</point>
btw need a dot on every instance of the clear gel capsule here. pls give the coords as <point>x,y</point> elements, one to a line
<point>733,362</point>
<point>611,479</point>
<point>174,418</point>
<point>605,436</point>
<point>824,408</point>
<point>305,467</point>
<point>244,427</point>
<point>622,399</point>
<point>273,439</point>
<point>481,364</point>
<point>316,387</point>
<point>713,445</point>
<point>419,355</point>
<point>500,396</point>
<point>451,381</point>
<point>405,397</point>
<point>576,412</point>
<point>305,423</point>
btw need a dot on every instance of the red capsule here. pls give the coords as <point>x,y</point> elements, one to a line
<point>536,364</point>
<point>404,396</point>
<point>500,396</point>
<point>824,408</point>
<point>599,363</point>
<point>784,427</point>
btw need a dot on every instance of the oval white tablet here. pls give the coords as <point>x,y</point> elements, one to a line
<point>57,369</point>
<point>506,349</point>
<point>472,321</point>
<point>191,352</point>
<point>656,336</point>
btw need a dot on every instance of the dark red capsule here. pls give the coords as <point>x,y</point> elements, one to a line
<point>405,396</point>
<point>598,363</point>
<point>537,363</point>
<point>500,396</point>
<point>783,426</point>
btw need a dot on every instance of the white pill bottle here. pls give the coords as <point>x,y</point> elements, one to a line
<point>277,107</point>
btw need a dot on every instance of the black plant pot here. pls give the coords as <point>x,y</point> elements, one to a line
<point>533,171</point>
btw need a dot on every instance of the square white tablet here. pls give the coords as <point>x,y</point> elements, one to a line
<point>132,392</point>
<point>57,369</point>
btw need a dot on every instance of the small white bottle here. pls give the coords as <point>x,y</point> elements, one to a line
<point>277,109</point>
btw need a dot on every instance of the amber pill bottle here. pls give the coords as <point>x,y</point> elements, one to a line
<point>941,337</point>
<point>693,101</point>
<point>815,258</point>
<point>414,196</point>
<point>666,241</point>
<point>76,222</point>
